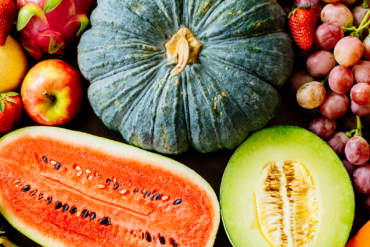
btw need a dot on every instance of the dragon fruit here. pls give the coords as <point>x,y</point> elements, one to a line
<point>48,26</point>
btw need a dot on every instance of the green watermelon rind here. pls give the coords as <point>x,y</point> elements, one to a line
<point>113,148</point>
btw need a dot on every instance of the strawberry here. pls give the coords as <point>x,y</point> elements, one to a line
<point>8,12</point>
<point>302,22</point>
<point>10,111</point>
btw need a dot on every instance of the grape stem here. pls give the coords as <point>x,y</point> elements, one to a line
<point>359,126</point>
<point>324,81</point>
<point>356,132</point>
<point>365,5</point>
<point>357,32</point>
<point>350,133</point>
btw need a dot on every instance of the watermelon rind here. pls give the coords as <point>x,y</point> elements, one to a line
<point>113,148</point>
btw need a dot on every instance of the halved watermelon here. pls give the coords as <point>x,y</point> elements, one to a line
<point>65,188</point>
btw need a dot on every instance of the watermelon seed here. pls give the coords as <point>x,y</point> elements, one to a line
<point>116,186</point>
<point>164,198</point>
<point>148,237</point>
<point>101,186</point>
<point>90,177</point>
<point>17,181</point>
<point>162,240</point>
<point>109,181</point>
<point>174,242</point>
<point>78,214</point>
<point>85,213</point>
<point>78,169</point>
<point>58,205</point>
<point>65,208</point>
<point>136,190</point>
<point>45,159</point>
<point>92,216</point>
<point>33,193</point>
<point>147,194</point>
<point>143,191</point>
<point>50,199</point>
<point>26,188</point>
<point>114,179</point>
<point>96,174</point>
<point>73,210</point>
<point>57,166</point>
<point>88,171</point>
<point>53,162</point>
<point>104,221</point>
<point>122,192</point>
<point>177,202</point>
<point>129,184</point>
<point>79,174</point>
<point>41,195</point>
<point>156,197</point>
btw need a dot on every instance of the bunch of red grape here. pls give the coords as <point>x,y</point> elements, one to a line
<point>340,42</point>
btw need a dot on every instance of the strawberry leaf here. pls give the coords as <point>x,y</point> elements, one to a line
<point>12,94</point>
<point>9,99</point>
<point>2,106</point>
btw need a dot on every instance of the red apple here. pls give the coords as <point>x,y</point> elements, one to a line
<point>52,92</point>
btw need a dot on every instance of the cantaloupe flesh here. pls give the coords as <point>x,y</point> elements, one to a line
<point>280,144</point>
<point>194,222</point>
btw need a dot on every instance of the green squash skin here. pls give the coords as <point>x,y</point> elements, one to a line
<point>216,102</point>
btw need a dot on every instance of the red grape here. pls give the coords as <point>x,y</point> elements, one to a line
<point>320,63</point>
<point>337,13</point>
<point>361,179</point>
<point>360,110</point>
<point>357,150</point>
<point>349,167</point>
<point>323,127</point>
<point>361,72</point>
<point>358,15</point>
<point>327,35</point>
<point>298,79</point>
<point>338,143</point>
<point>367,202</point>
<point>334,106</point>
<point>311,95</point>
<point>315,5</point>
<point>348,51</point>
<point>366,44</point>
<point>340,79</point>
<point>360,93</point>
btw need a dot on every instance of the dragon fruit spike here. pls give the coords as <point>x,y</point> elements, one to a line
<point>48,26</point>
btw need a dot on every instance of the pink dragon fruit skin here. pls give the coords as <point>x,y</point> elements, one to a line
<point>48,26</point>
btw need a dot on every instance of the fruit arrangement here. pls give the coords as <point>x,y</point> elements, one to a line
<point>337,81</point>
<point>170,76</point>
<point>214,97</point>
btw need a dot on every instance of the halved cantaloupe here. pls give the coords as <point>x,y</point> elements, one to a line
<point>284,187</point>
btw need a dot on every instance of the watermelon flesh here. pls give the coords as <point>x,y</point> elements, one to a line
<point>65,188</point>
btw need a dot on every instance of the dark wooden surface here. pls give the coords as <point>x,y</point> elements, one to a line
<point>210,166</point>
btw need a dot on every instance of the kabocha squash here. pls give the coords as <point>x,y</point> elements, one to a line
<point>172,74</point>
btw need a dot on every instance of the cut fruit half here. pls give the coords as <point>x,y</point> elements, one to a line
<point>284,187</point>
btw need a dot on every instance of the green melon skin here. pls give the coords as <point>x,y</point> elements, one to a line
<point>333,185</point>
<point>216,102</point>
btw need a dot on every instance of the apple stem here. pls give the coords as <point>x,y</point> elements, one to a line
<point>48,96</point>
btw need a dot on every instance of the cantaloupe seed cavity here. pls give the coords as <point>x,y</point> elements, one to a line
<point>286,203</point>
